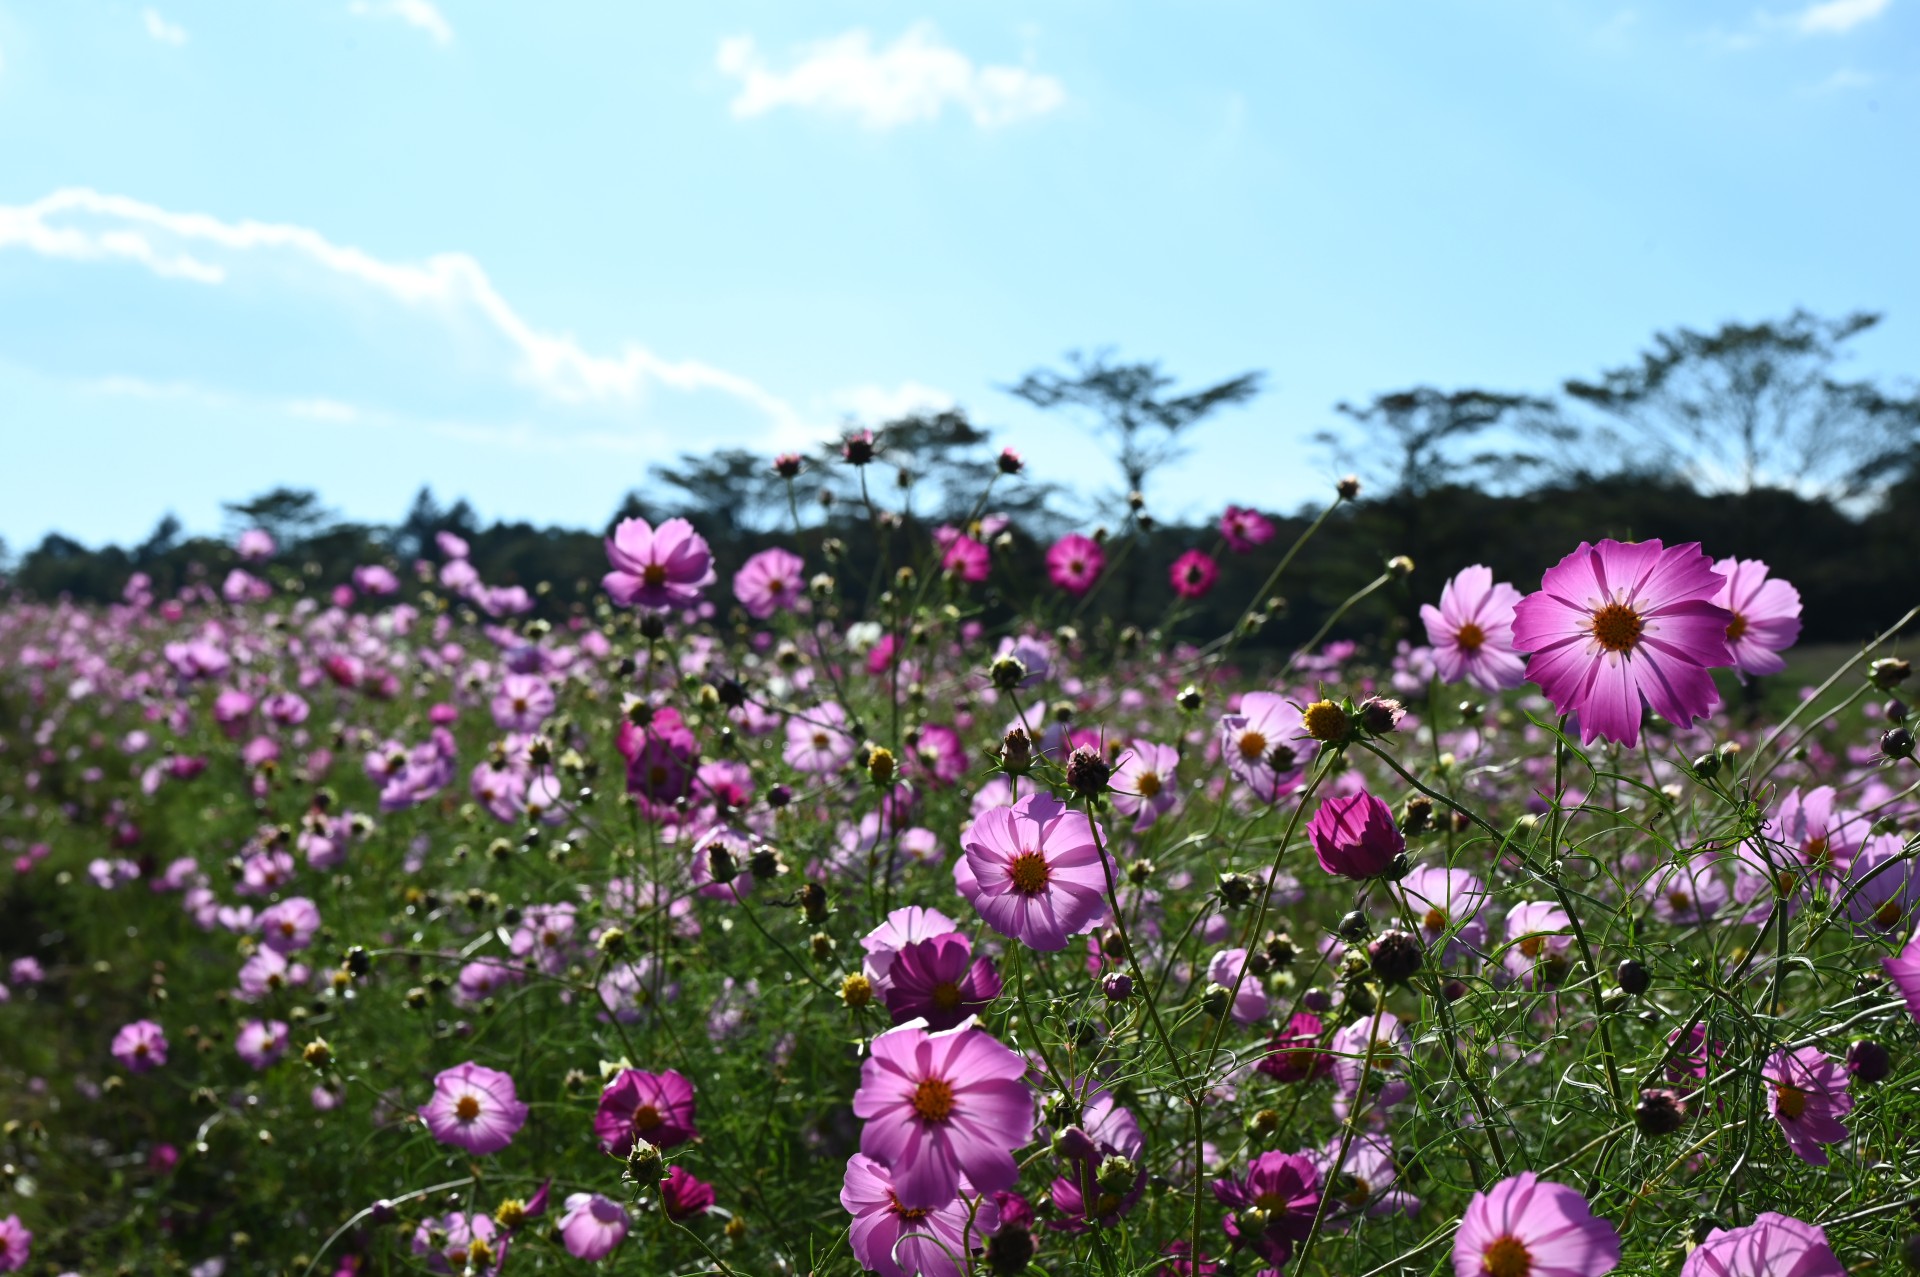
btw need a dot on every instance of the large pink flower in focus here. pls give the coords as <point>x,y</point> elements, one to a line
<point>894,1241</point>
<point>1807,1095</point>
<point>1618,626</point>
<point>771,581</point>
<point>1472,631</point>
<point>942,1106</point>
<point>1530,1227</point>
<point>660,567</point>
<point>1771,1246</point>
<point>1766,615</point>
<point>1075,563</point>
<point>474,1108</point>
<point>1037,873</point>
<point>655,1107</point>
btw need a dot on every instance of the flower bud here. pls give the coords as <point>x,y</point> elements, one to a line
<point>1355,837</point>
<point>1010,462</point>
<point>1416,815</point>
<point>1633,977</point>
<point>880,765</point>
<point>1088,773</point>
<point>1236,889</point>
<point>1117,1174</point>
<point>1073,1142</point>
<point>764,862</point>
<point>612,942</point>
<point>813,902</point>
<point>1190,698</point>
<point>1400,565</point>
<point>1660,1112</point>
<point>318,1054</point>
<point>1897,744</point>
<point>720,863</point>
<point>1396,956</point>
<point>820,945</point>
<point>1214,1000</point>
<point>1016,752</point>
<point>1889,672</point>
<point>1007,673</point>
<point>1118,986</point>
<point>1380,715</point>
<point>1348,487</point>
<point>1868,1061</point>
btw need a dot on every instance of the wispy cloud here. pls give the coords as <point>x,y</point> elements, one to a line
<point>415,13</point>
<point>450,291</point>
<point>913,79</point>
<point>1845,80</point>
<point>1836,17</point>
<point>870,404</point>
<point>162,30</point>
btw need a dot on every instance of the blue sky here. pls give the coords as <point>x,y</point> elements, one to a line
<point>521,252</point>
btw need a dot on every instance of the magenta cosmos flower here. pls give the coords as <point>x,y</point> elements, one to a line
<point>1530,1227</point>
<point>1472,631</point>
<point>942,1106</point>
<point>902,927</point>
<point>1616,627</point>
<point>966,559</point>
<point>140,1046</point>
<point>16,1244</point>
<point>940,981</point>
<point>655,1107</point>
<point>683,1196</point>
<point>474,1108</point>
<point>1037,872</point>
<point>261,1043</point>
<point>1075,563</point>
<point>523,703</point>
<point>1193,574</point>
<point>1250,1003</point>
<point>289,926</point>
<point>894,1241</point>
<point>771,581</point>
<point>1766,615</point>
<point>664,567</point>
<point>1904,971</point>
<point>1807,1094</point>
<point>592,1226</point>
<point>1771,1246</point>
<point>1245,530</point>
<point>1286,1186</point>
<point>1355,837</point>
<point>818,741</point>
<point>1109,1130</point>
<point>472,1244</point>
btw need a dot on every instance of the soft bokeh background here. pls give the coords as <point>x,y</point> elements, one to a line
<point>525,252</point>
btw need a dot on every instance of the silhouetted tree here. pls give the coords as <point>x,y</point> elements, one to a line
<point>287,514</point>
<point>1130,409</point>
<point>1758,405</point>
<point>1414,441</point>
<point>728,490</point>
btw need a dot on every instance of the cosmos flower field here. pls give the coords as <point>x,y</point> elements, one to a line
<point>386,925</point>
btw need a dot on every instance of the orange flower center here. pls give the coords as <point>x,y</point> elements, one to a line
<point>1736,627</point>
<point>1617,627</point>
<point>1436,919</point>
<point>1790,1100</point>
<point>1785,882</point>
<point>1147,784</point>
<point>655,575</point>
<point>1532,945</point>
<point>777,585</point>
<point>1888,914</point>
<point>1507,1257</point>
<point>893,1204</point>
<point>820,740</point>
<point>519,704</point>
<point>1817,851</point>
<point>946,995</point>
<point>466,1108</point>
<point>646,1118</point>
<point>1030,873</point>
<point>933,1099</point>
<point>1252,745</point>
<point>1679,901</point>
<point>1469,637</point>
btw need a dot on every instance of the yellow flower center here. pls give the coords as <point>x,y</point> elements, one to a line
<point>466,1108</point>
<point>946,995</point>
<point>856,990</point>
<point>1507,1257</point>
<point>1147,784</point>
<point>1617,627</point>
<point>1790,1100</point>
<point>1030,873</point>
<point>902,1211</point>
<point>933,1099</point>
<point>1325,721</point>
<point>1469,637</point>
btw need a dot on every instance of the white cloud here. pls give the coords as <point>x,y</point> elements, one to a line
<point>1837,17</point>
<point>451,290</point>
<point>162,30</point>
<point>415,13</point>
<point>871,404</point>
<point>912,79</point>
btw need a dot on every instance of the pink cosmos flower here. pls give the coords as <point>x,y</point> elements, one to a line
<point>474,1244</point>
<point>375,580</point>
<point>16,1244</point>
<point>1447,904</point>
<point>1250,1004</point>
<point>1355,837</point>
<point>902,927</point>
<point>1245,530</point>
<point>1193,574</point>
<point>255,544</point>
<point>1037,873</point>
<point>1144,783</point>
<point>523,702</point>
<point>893,1241</point>
<point>1472,631</point>
<point>1075,563</point>
<point>1807,1093</point>
<point>1904,971</point>
<point>290,925</point>
<point>1766,615</point>
<point>474,1108</point>
<point>1618,627</point>
<point>1529,1227</point>
<point>261,1043</point>
<point>818,740</point>
<point>593,1226</point>
<point>940,753</point>
<point>1294,1054</point>
<point>940,981</point>
<point>1538,940</point>
<point>544,937</point>
<point>1284,1185</point>
<point>140,1046</point>
<point>683,1196</point>
<point>1771,1246</point>
<point>967,559</point>
<point>773,580</point>
<point>1266,744</point>
<point>655,1107</point>
<point>1110,1130</point>
<point>940,1107</point>
<point>1883,886</point>
<point>666,567</point>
